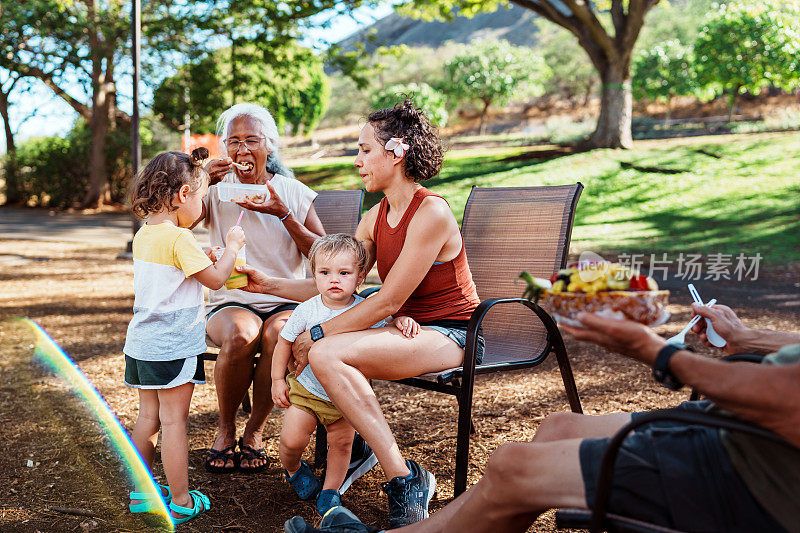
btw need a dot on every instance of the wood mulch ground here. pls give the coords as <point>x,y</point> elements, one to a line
<point>56,457</point>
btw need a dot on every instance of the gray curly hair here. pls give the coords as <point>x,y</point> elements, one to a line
<point>268,129</point>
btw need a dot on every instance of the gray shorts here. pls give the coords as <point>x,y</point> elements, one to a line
<point>676,475</point>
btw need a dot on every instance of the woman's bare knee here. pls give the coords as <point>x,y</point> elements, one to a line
<point>239,344</point>
<point>272,332</point>
<point>324,357</point>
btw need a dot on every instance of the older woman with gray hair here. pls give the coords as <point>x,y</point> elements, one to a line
<point>280,230</point>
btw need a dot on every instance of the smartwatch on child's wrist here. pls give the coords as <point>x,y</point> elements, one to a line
<point>316,333</point>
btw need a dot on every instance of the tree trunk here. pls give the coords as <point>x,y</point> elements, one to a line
<point>11,148</point>
<point>669,112</point>
<point>732,104</point>
<point>616,107</point>
<point>97,159</point>
<point>98,121</point>
<point>484,114</point>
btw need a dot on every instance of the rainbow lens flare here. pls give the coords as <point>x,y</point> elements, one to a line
<point>50,355</point>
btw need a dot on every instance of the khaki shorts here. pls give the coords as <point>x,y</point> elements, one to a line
<point>323,410</point>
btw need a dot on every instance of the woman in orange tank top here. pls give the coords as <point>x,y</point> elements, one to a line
<point>416,241</point>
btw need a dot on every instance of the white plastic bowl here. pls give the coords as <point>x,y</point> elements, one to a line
<point>239,192</point>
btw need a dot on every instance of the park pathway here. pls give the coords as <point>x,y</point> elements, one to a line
<point>105,229</point>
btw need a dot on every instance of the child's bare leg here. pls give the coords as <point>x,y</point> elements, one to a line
<point>145,431</point>
<point>298,425</point>
<point>174,412</point>
<point>340,444</point>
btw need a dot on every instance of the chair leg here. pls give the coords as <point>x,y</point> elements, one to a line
<point>462,443</point>
<point>568,378</point>
<point>321,447</point>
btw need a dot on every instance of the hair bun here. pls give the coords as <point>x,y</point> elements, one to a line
<point>407,110</point>
<point>199,155</point>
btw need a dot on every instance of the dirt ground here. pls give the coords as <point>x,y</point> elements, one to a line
<point>55,457</point>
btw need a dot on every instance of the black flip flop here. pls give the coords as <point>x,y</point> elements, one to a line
<point>228,454</point>
<point>249,453</point>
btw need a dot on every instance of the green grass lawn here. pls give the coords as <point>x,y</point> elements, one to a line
<point>723,194</point>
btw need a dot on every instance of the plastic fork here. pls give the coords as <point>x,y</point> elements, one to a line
<point>681,336</point>
<point>713,337</point>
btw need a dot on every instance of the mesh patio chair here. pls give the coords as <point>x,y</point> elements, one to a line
<point>507,230</point>
<point>598,519</point>
<point>339,212</point>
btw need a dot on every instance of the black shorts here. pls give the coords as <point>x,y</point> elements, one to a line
<point>263,315</point>
<point>676,475</point>
<point>163,374</point>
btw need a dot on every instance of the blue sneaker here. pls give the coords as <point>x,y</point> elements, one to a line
<point>327,499</point>
<point>336,520</point>
<point>409,496</point>
<point>304,482</point>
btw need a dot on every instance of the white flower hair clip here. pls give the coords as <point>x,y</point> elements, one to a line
<point>396,145</point>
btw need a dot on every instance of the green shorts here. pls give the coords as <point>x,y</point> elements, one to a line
<point>323,410</point>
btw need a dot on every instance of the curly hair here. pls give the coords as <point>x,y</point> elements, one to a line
<point>425,154</point>
<point>163,177</point>
<point>335,244</point>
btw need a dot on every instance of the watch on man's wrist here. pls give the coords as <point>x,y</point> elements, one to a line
<point>661,371</point>
<point>316,332</point>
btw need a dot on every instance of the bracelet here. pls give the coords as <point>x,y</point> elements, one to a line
<point>286,215</point>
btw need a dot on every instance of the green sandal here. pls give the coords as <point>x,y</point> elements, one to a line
<point>148,500</point>
<point>201,504</point>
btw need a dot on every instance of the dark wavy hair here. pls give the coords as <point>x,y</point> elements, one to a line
<point>163,177</point>
<point>424,157</point>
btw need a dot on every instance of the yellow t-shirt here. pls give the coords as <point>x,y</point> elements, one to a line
<point>168,309</point>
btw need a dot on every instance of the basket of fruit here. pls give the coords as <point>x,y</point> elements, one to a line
<point>607,289</point>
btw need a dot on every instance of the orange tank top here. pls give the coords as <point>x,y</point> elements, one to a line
<point>447,291</point>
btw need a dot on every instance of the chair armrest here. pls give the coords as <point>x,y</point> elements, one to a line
<point>746,357</point>
<point>475,321</point>
<point>368,291</point>
<point>606,472</point>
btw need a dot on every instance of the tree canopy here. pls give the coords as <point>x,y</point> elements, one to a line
<point>492,72</point>
<point>664,71</point>
<point>79,49</point>
<point>290,83</point>
<point>433,102</point>
<point>745,47</point>
<point>608,43</point>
